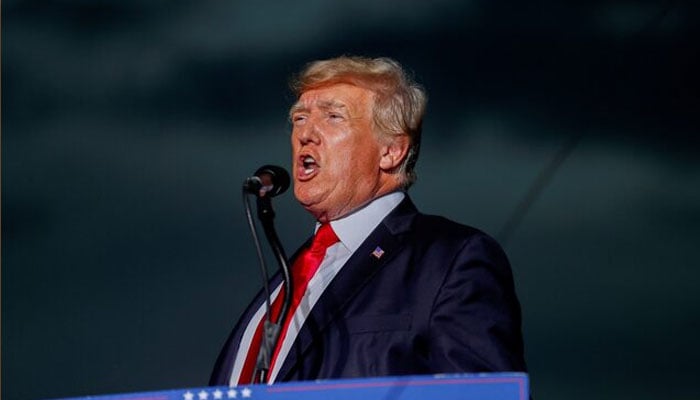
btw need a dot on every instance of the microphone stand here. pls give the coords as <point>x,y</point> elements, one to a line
<point>271,329</point>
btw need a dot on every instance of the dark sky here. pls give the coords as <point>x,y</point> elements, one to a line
<point>568,131</point>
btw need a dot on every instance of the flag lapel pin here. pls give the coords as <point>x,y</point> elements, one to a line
<point>378,253</point>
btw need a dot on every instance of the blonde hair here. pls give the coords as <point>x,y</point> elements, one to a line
<point>399,101</point>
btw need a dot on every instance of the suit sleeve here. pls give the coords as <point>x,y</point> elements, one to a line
<point>475,322</point>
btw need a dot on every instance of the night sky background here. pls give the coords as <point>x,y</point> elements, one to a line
<point>569,131</point>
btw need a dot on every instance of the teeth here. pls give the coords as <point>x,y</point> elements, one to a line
<point>309,164</point>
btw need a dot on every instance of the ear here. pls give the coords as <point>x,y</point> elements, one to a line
<point>394,152</point>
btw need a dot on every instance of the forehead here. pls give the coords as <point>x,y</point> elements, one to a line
<point>340,95</point>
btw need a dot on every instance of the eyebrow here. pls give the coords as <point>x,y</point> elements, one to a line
<point>324,105</point>
<point>331,104</point>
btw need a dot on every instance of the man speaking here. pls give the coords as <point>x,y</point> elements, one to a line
<point>380,289</point>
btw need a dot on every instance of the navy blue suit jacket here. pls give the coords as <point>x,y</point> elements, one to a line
<point>440,299</point>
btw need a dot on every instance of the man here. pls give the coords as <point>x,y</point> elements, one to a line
<point>396,292</point>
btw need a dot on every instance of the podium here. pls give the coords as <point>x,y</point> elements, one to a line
<point>495,386</point>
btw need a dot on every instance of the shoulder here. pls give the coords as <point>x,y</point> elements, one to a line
<point>436,228</point>
<point>442,241</point>
<point>406,217</point>
<point>457,244</point>
<point>444,226</point>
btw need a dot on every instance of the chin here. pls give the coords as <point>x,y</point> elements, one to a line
<point>304,199</point>
<point>315,211</point>
<point>301,195</point>
<point>311,207</point>
<point>306,193</point>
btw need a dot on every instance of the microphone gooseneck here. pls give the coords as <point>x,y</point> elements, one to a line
<point>267,182</point>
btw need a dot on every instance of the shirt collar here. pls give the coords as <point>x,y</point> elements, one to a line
<point>354,228</point>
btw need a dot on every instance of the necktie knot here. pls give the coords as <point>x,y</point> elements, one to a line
<point>325,237</point>
<point>306,266</point>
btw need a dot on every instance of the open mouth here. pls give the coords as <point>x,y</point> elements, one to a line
<point>307,167</point>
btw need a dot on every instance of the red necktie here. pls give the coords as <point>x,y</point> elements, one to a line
<point>304,268</point>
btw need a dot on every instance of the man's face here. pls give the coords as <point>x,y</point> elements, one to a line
<point>336,154</point>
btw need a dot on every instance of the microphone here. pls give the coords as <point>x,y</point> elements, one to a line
<point>268,180</point>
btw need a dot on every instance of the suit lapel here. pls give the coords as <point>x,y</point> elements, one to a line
<point>361,268</point>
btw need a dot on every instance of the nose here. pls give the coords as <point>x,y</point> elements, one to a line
<point>306,133</point>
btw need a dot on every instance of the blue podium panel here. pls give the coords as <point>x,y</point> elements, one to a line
<point>500,386</point>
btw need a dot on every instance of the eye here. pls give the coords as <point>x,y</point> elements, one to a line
<point>298,118</point>
<point>335,117</point>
